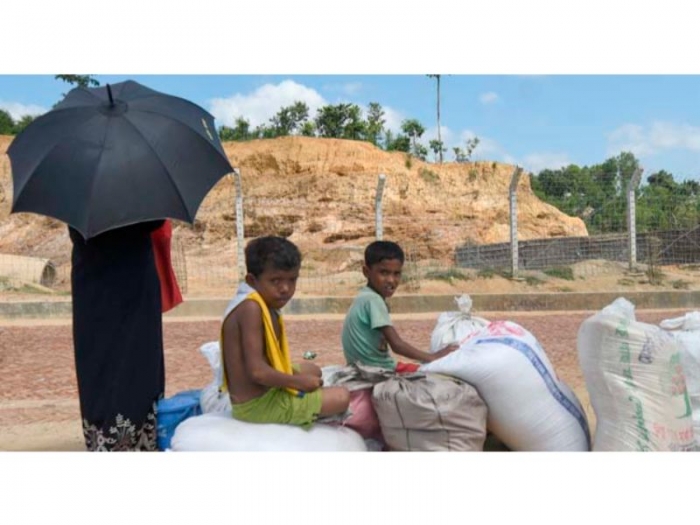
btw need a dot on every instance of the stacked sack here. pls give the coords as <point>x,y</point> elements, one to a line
<point>455,327</point>
<point>635,381</point>
<point>529,408</point>
<point>216,429</point>
<point>686,330</point>
<point>430,412</point>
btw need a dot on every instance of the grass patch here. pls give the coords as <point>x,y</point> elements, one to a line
<point>625,282</point>
<point>488,273</point>
<point>656,277</point>
<point>408,162</point>
<point>560,272</point>
<point>564,289</point>
<point>447,275</point>
<point>533,280</point>
<point>680,284</point>
<point>429,176</point>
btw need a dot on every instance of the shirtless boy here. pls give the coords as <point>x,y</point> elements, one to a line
<point>263,384</point>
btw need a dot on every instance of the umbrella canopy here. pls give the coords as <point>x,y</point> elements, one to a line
<point>117,155</point>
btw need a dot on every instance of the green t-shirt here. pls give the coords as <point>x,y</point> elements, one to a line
<point>362,338</point>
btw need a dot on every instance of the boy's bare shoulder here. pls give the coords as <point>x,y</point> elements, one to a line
<point>246,310</point>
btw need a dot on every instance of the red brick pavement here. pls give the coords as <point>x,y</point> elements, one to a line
<point>38,375</point>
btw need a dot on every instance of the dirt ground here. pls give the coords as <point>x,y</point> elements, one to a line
<point>39,400</point>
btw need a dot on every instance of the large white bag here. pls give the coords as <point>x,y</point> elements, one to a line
<point>686,331</point>
<point>455,327</point>
<point>221,433</point>
<point>529,408</point>
<point>635,381</point>
<point>212,399</point>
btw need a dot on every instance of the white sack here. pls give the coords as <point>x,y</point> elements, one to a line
<point>686,330</point>
<point>219,432</point>
<point>212,399</point>
<point>635,382</point>
<point>455,327</point>
<point>528,407</point>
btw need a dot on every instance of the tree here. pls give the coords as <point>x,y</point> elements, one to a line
<point>375,122</point>
<point>7,125</point>
<point>241,131</point>
<point>339,121</point>
<point>308,129</point>
<point>420,151</point>
<point>290,119</point>
<point>23,123</point>
<point>437,148</point>
<point>662,179</point>
<point>80,80</point>
<point>398,143</point>
<point>355,128</point>
<point>465,155</point>
<point>437,78</point>
<point>414,130</point>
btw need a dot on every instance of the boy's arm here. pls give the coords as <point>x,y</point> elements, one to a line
<point>401,347</point>
<point>253,349</point>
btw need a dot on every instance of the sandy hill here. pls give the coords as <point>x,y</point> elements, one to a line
<point>321,193</point>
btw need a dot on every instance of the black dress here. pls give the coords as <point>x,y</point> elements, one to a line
<point>118,337</point>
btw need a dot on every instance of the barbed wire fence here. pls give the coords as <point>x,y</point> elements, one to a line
<point>623,238</point>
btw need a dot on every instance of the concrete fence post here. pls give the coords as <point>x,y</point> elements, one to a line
<point>513,198</point>
<point>632,217</point>
<point>240,235</point>
<point>378,207</point>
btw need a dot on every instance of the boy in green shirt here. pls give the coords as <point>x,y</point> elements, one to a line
<point>367,330</point>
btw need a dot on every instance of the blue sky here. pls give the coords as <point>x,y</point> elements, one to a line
<point>536,121</point>
<point>542,83</point>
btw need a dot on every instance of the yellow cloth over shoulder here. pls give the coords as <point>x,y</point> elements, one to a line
<point>277,351</point>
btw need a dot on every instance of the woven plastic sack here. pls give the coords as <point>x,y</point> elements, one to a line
<point>455,327</point>
<point>529,408</point>
<point>635,381</point>
<point>219,432</point>
<point>686,330</point>
<point>212,399</point>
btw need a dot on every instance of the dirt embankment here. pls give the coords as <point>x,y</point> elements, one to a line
<point>321,193</point>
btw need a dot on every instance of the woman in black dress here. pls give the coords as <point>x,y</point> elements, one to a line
<point>118,337</point>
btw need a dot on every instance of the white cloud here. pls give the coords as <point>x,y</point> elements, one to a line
<point>488,98</point>
<point>17,110</point>
<point>393,119</point>
<point>653,139</point>
<point>486,149</point>
<point>536,162</point>
<point>351,88</point>
<point>263,103</point>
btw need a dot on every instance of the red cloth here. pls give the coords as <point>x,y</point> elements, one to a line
<point>170,295</point>
<point>406,368</point>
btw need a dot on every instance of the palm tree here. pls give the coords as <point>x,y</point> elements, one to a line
<point>437,77</point>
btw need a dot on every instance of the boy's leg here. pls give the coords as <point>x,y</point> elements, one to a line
<point>334,400</point>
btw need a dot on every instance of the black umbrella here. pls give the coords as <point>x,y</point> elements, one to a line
<point>112,156</point>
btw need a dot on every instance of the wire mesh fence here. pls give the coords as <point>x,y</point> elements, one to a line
<point>644,240</point>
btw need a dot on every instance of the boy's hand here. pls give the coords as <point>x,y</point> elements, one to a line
<point>307,382</point>
<point>444,351</point>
